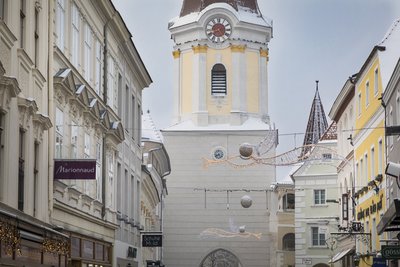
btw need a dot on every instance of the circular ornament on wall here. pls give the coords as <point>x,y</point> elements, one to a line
<point>219,153</point>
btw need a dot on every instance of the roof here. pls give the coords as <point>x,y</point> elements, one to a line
<point>191,6</point>
<point>317,123</point>
<point>149,130</point>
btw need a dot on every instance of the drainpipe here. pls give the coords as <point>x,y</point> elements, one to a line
<point>105,88</point>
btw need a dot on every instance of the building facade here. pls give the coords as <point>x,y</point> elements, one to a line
<point>155,169</point>
<point>95,101</point>
<point>316,213</point>
<point>283,196</point>
<point>391,103</point>
<point>27,236</point>
<point>342,113</point>
<point>217,210</point>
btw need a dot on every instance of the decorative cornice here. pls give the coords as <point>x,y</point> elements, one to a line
<point>238,48</point>
<point>199,49</point>
<point>176,54</point>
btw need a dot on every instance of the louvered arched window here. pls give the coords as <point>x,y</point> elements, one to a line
<point>218,80</point>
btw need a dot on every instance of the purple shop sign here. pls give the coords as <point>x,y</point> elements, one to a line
<point>82,169</point>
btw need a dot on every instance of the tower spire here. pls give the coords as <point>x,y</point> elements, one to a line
<point>317,122</point>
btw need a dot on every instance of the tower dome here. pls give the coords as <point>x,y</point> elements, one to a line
<point>190,6</point>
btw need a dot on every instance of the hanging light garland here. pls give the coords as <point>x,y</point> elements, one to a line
<point>10,237</point>
<point>55,246</point>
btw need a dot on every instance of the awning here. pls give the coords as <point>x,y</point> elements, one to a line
<point>341,254</point>
<point>391,218</point>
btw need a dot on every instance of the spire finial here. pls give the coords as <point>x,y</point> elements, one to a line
<point>316,82</point>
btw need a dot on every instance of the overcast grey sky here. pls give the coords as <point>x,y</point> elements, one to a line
<point>325,40</point>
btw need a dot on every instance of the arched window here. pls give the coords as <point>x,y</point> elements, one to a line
<point>288,242</point>
<point>218,80</point>
<point>288,202</point>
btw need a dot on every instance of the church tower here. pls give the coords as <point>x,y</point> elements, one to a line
<point>220,62</point>
<point>217,212</point>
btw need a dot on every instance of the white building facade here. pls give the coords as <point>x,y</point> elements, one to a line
<point>220,102</point>
<point>316,212</point>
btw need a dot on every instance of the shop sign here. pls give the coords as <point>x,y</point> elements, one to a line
<point>379,262</point>
<point>153,240</point>
<point>81,169</point>
<point>390,252</point>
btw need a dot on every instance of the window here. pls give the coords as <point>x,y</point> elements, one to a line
<point>88,53</point>
<point>99,65</point>
<point>133,118</point>
<point>75,35</point>
<point>110,86</point>
<point>376,77</point>
<point>366,165</point>
<point>367,94</point>
<point>380,154</point>
<point>2,8</point>
<point>373,234</point>
<point>35,178</point>
<point>359,104</point>
<point>120,96</point>
<point>218,80</point>
<point>288,202</point>
<point>317,236</point>
<point>139,120</point>
<point>36,35</point>
<point>98,170</point>
<point>22,15</point>
<point>288,242</point>
<point>390,123</point>
<point>60,17</point>
<point>119,187</point>
<point>59,133</point>
<point>21,169</point>
<point>126,117</point>
<point>87,146</point>
<point>345,207</point>
<point>319,196</point>
<point>74,140</point>
<point>372,162</point>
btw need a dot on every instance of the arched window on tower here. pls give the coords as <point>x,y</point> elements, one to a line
<point>288,242</point>
<point>218,80</point>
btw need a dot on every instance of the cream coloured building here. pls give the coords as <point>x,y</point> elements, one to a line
<point>155,169</point>
<point>220,102</point>
<point>26,234</point>
<point>95,101</point>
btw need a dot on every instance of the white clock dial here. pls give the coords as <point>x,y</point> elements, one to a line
<point>218,29</point>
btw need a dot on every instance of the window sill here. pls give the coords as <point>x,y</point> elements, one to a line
<point>319,205</point>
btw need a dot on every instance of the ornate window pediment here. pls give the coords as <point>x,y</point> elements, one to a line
<point>9,88</point>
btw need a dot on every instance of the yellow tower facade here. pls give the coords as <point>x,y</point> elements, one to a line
<point>220,65</point>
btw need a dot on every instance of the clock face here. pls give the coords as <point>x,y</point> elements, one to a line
<point>219,154</point>
<point>218,30</point>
